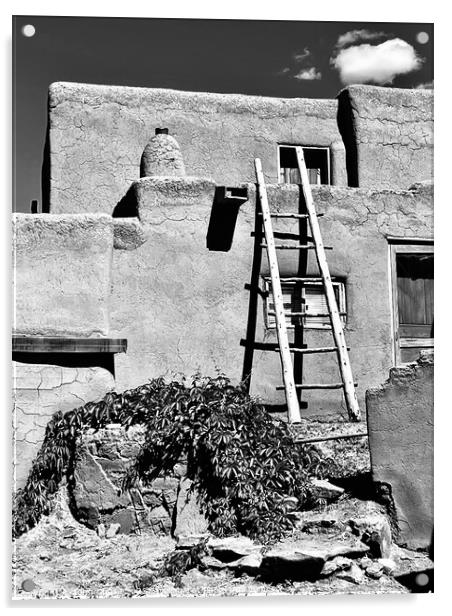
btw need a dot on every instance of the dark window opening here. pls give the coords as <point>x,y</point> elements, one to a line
<point>412,273</point>
<point>415,295</point>
<point>317,161</point>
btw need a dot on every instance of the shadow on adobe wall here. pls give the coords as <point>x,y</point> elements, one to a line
<point>45,175</point>
<point>348,134</point>
<point>68,360</point>
<point>127,206</point>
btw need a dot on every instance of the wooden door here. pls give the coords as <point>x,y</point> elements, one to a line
<point>412,268</point>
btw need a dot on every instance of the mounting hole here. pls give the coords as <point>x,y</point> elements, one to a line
<point>422,38</point>
<point>28,30</point>
<point>422,579</point>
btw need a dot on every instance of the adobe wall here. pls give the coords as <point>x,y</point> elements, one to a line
<point>400,423</point>
<point>39,391</point>
<point>184,307</point>
<point>62,274</point>
<point>97,135</point>
<point>389,135</point>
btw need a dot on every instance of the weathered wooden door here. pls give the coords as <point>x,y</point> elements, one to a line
<point>412,296</point>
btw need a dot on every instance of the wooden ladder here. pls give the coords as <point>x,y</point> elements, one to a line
<point>290,387</point>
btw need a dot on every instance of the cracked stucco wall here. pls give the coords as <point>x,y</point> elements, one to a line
<point>39,391</point>
<point>393,132</point>
<point>356,224</point>
<point>184,308</point>
<point>97,135</point>
<point>400,421</point>
<point>62,274</point>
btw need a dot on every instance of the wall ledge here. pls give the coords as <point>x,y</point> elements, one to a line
<point>62,344</point>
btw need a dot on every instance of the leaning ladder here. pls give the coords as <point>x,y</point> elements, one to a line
<point>285,350</point>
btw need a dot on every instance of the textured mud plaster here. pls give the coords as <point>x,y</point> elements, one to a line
<point>97,135</point>
<point>62,274</point>
<point>40,390</point>
<point>183,307</point>
<point>356,224</point>
<point>400,421</point>
<point>392,132</point>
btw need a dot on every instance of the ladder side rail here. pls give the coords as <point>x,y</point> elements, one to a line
<point>336,324</point>
<point>293,406</point>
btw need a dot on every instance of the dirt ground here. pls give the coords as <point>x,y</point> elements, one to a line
<point>62,559</point>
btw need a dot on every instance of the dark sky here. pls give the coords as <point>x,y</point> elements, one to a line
<point>249,57</point>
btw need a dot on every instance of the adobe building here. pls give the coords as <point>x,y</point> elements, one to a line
<point>146,264</point>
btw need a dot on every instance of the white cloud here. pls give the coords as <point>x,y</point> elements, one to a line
<point>357,36</point>
<point>308,74</point>
<point>376,63</point>
<point>299,57</point>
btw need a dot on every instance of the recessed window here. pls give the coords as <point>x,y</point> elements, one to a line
<point>412,285</point>
<point>317,161</point>
<point>307,298</point>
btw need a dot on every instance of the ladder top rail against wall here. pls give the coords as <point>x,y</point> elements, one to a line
<point>290,387</point>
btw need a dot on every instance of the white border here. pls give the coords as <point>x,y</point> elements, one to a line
<point>386,10</point>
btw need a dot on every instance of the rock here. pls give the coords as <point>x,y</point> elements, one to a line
<point>113,530</point>
<point>189,518</point>
<point>151,499</point>
<point>321,488</point>
<point>374,531</point>
<point>353,574</point>
<point>365,562</point>
<point>185,542</point>
<point>340,563</point>
<point>304,559</point>
<point>160,520</point>
<point>388,565</point>
<point>101,531</point>
<point>180,469</point>
<point>230,549</point>
<point>250,564</point>
<point>94,492</point>
<point>196,579</point>
<point>210,562</point>
<point>144,581</point>
<point>409,561</point>
<point>126,519</point>
<point>375,570</point>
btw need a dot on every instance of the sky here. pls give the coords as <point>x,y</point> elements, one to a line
<point>306,59</point>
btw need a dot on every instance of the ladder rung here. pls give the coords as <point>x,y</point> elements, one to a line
<point>297,247</point>
<point>319,386</point>
<point>300,279</point>
<point>306,314</point>
<point>312,350</point>
<point>289,215</point>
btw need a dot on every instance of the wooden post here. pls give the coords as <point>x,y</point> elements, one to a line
<point>336,324</point>
<point>293,408</point>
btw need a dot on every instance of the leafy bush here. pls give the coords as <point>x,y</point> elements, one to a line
<point>246,466</point>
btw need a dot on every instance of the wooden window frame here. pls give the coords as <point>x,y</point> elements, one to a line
<point>305,321</point>
<point>305,147</point>
<point>396,247</point>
